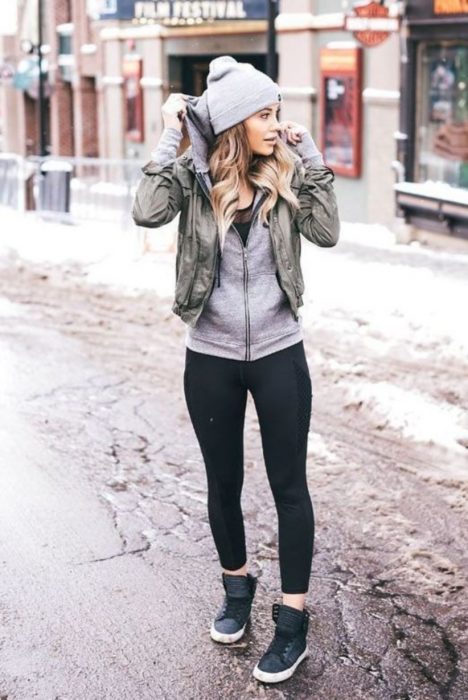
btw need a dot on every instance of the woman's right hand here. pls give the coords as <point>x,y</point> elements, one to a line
<point>174,110</point>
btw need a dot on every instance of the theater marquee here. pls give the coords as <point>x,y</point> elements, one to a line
<point>173,10</point>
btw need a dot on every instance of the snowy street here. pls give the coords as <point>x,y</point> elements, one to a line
<point>110,576</point>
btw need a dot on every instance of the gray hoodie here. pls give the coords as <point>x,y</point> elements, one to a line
<point>247,315</point>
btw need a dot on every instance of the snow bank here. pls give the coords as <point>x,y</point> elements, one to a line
<point>414,414</point>
<point>368,291</point>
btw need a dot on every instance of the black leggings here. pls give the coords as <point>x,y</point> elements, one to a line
<point>216,395</point>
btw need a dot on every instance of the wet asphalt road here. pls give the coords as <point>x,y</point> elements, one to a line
<point>109,574</point>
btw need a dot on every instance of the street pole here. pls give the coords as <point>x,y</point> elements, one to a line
<point>272,64</point>
<point>42,110</point>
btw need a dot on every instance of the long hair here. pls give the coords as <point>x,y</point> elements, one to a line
<point>232,162</point>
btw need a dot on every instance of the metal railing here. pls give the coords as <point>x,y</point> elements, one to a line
<point>75,189</point>
<point>12,175</point>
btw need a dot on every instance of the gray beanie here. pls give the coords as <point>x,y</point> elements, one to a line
<point>235,91</point>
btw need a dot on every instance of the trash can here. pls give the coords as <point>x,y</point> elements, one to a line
<point>54,185</point>
<point>29,203</point>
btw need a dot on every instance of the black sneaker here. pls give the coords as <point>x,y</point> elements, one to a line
<point>230,622</point>
<point>288,647</point>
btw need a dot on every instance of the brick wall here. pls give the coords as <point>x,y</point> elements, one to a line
<point>63,144</point>
<point>61,102</point>
<point>84,88</point>
<point>86,125</point>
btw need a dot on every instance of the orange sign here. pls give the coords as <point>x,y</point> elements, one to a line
<point>339,60</point>
<point>371,23</point>
<point>450,7</point>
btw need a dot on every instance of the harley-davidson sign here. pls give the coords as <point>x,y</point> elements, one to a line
<point>371,23</point>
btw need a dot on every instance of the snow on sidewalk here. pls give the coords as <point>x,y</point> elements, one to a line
<point>379,294</point>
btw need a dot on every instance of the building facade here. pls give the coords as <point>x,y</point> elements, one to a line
<point>434,117</point>
<point>343,66</point>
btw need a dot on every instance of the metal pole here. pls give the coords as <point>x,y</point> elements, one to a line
<point>42,110</point>
<point>272,64</point>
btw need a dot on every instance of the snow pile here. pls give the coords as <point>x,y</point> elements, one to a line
<point>376,235</point>
<point>386,302</point>
<point>407,295</point>
<point>38,240</point>
<point>107,253</point>
<point>416,415</point>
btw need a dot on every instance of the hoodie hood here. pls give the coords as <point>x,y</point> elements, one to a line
<point>202,136</point>
<point>200,131</point>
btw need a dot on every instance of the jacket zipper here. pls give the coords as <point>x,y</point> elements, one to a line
<point>246,278</point>
<point>246,292</point>
<point>202,184</point>
<point>247,310</point>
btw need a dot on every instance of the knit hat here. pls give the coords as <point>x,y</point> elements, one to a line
<point>235,91</point>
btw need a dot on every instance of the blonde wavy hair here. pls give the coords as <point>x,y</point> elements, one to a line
<point>232,162</point>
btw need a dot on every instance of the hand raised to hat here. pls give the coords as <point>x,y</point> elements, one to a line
<point>174,110</point>
<point>292,131</point>
<point>297,137</point>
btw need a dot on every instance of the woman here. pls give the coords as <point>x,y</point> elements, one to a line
<point>246,188</point>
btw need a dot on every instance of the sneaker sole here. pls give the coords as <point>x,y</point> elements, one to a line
<point>224,638</point>
<point>281,675</point>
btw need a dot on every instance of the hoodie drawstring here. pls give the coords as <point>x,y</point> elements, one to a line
<point>219,266</point>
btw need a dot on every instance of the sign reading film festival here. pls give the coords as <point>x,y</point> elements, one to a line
<point>173,10</point>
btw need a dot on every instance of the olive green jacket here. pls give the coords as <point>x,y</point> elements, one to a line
<point>166,190</point>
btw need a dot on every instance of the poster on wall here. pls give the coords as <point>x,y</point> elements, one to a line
<point>133,96</point>
<point>341,81</point>
<point>442,82</point>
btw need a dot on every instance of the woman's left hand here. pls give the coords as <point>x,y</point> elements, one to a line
<point>293,131</point>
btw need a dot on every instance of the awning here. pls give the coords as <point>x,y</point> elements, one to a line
<point>434,205</point>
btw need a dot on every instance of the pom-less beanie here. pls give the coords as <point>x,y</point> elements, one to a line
<point>235,91</point>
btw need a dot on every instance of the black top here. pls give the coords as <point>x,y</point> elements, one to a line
<point>243,219</point>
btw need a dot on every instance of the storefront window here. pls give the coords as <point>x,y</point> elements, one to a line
<point>442,123</point>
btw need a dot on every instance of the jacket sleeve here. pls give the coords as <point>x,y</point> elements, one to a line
<point>317,217</point>
<point>159,195</point>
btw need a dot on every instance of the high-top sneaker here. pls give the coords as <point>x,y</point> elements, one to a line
<point>230,622</point>
<point>288,647</point>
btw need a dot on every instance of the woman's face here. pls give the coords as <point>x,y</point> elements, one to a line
<point>263,129</point>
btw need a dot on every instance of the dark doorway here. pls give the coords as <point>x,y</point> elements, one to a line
<point>188,74</point>
<point>31,115</point>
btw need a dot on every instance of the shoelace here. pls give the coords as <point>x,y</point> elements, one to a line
<point>235,608</point>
